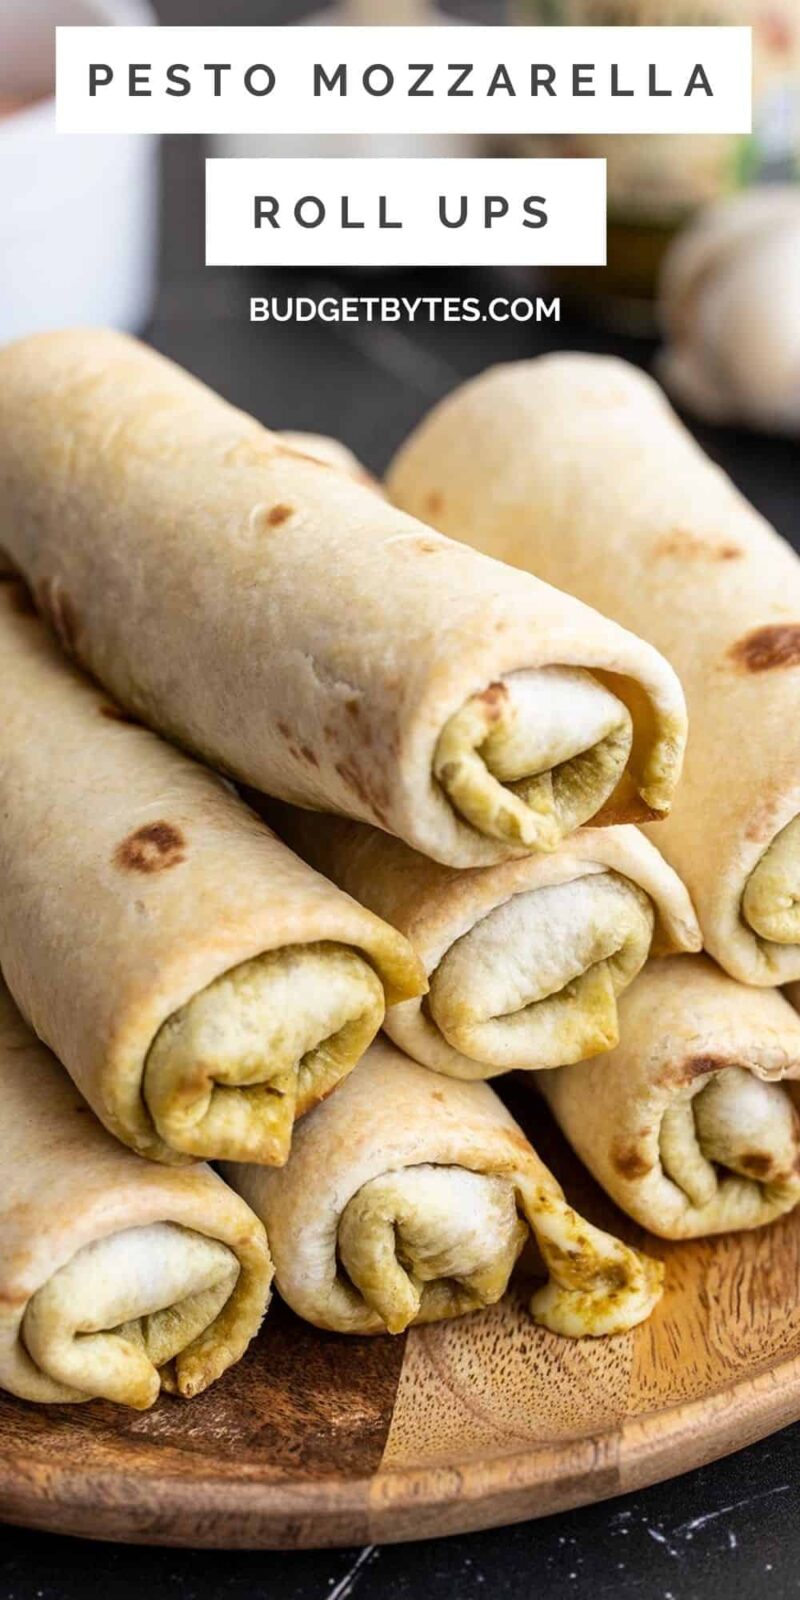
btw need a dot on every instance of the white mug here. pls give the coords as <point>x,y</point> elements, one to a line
<point>78,212</point>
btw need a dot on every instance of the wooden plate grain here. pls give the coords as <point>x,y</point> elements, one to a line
<point>319,1440</point>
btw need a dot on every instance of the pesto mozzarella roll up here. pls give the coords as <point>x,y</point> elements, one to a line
<point>202,985</point>
<point>408,1198</point>
<point>281,619</point>
<point>526,960</point>
<point>687,1123</point>
<point>575,467</point>
<point>118,1277</point>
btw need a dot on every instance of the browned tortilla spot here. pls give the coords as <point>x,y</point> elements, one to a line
<point>434,502</point>
<point>517,1138</point>
<point>681,542</point>
<point>285,730</point>
<point>278,514</point>
<point>644,812</point>
<point>428,547</point>
<point>762,822</point>
<point>629,1162</point>
<point>620,808</point>
<point>756,1164</point>
<point>349,774</point>
<point>152,848</point>
<point>777,644</point>
<point>698,1067</point>
<point>308,755</point>
<point>369,790</point>
<point>494,699</point>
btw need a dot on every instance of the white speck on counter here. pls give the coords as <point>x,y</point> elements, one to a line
<point>661,1538</point>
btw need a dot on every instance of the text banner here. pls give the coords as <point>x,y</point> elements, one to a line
<point>405,212</point>
<point>403,80</point>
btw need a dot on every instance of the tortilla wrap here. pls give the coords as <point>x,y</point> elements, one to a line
<point>576,467</point>
<point>408,1198</point>
<point>118,1278</point>
<point>201,985</point>
<point>525,960</point>
<point>686,1123</point>
<point>286,623</point>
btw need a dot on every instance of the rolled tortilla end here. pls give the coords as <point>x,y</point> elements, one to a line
<point>689,1126</point>
<point>229,1073</point>
<point>476,730</point>
<point>526,960</point>
<point>771,898</point>
<point>407,1199</point>
<point>202,985</point>
<point>429,1242</point>
<point>534,756</point>
<point>118,1277</point>
<point>531,757</point>
<point>734,1124</point>
<point>126,1307</point>
<point>534,983</point>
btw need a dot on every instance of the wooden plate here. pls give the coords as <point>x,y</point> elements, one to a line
<point>319,1440</point>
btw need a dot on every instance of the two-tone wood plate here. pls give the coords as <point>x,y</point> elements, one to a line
<point>319,1440</point>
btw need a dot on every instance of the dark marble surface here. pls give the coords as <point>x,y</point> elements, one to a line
<point>731,1529</point>
<point>728,1531</point>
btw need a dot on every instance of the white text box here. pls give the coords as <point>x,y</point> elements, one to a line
<point>263,80</point>
<point>403,212</point>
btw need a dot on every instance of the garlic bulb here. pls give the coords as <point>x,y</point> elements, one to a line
<point>730,309</point>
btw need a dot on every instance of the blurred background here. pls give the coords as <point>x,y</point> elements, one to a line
<point>704,248</point>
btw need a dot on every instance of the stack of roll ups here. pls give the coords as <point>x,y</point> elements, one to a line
<point>282,765</point>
